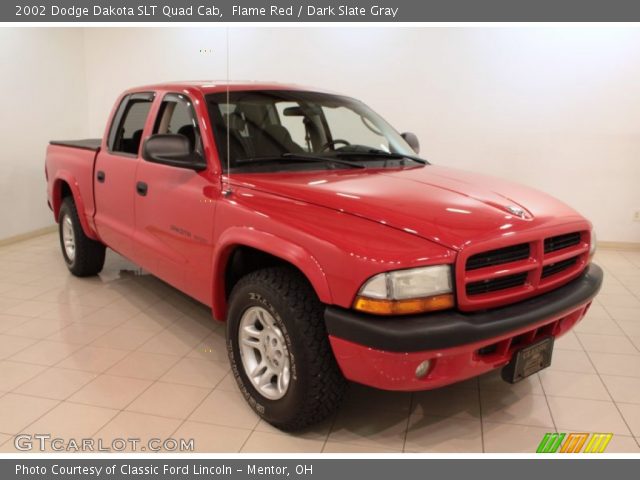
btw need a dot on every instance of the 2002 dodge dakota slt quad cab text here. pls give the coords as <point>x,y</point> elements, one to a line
<point>332,252</point>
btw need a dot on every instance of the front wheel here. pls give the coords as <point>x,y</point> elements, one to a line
<point>279,349</point>
<point>84,256</point>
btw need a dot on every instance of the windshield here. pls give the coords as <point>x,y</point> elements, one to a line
<point>279,130</point>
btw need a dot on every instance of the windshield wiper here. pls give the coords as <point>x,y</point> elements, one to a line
<point>296,156</point>
<point>381,154</point>
<point>319,158</point>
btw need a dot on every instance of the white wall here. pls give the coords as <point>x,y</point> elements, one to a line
<point>556,108</point>
<point>117,59</point>
<point>43,97</point>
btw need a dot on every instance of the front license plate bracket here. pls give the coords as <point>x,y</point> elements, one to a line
<point>528,360</point>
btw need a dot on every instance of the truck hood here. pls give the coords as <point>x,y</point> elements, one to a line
<point>447,206</point>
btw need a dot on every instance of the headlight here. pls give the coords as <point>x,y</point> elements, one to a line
<point>592,244</point>
<point>407,291</point>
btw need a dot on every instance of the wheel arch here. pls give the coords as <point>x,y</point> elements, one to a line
<point>266,250</point>
<point>66,186</point>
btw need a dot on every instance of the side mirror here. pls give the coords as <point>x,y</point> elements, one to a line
<point>173,150</point>
<point>412,140</point>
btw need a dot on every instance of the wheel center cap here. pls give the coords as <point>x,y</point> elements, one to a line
<point>273,349</point>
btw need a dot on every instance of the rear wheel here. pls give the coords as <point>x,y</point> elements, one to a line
<point>84,256</point>
<point>279,349</point>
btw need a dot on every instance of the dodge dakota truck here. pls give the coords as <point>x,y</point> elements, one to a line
<point>332,251</point>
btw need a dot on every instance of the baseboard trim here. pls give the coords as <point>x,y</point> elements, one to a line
<point>26,236</point>
<point>619,245</point>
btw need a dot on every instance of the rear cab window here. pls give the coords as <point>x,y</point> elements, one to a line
<point>128,124</point>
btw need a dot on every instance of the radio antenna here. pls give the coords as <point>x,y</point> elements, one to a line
<point>227,188</point>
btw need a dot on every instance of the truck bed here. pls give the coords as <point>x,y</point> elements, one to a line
<point>85,144</point>
<point>78,157</point>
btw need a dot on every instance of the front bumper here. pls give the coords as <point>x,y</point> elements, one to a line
<point>385,352</point>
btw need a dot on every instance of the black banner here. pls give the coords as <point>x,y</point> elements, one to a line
<point>395,11</point>
<point>316,469</point>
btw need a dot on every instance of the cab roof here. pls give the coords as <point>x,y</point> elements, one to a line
<point>216,86</point>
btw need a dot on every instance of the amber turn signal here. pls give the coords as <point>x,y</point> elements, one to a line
<point>403,307</point>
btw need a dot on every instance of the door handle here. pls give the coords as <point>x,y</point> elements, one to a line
<point>142,188</point>
<point>100,176</point>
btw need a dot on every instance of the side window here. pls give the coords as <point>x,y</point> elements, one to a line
<point>176,115</point>
<point>130,120</point>
<point>346,123</point>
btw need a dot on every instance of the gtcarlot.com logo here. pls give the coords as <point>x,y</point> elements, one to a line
<point>574,443</point>
<point>45,442</point>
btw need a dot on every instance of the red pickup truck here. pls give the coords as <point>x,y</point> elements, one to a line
<point>331,250</point>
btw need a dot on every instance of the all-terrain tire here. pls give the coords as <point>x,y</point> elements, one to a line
<point>316,385</point>
<point>88,255</point>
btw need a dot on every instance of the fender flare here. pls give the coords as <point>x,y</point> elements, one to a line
<point>269,243</point>
<point>69,179</point>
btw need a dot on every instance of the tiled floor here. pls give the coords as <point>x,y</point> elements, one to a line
<point>124,355</point>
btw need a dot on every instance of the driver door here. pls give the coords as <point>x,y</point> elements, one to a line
<point>175,208</point>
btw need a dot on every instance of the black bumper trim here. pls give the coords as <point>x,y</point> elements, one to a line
<point>451,328</point>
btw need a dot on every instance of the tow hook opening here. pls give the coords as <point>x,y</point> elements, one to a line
<point>423,369</point>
